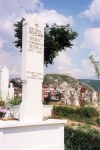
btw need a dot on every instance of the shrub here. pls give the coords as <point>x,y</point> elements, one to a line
<point>87,112</point>
<point>79,140</point>
<point>98,121</point>
<point>15,101</point>
<point>63,111</point>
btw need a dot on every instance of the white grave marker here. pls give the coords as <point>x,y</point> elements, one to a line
<point>11,91</point>
<point>4,83</point>
<point>32,70</point>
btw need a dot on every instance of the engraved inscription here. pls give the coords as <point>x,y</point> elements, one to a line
<point>34,75</point>
<point>35,42</point>
<point>35,32</point>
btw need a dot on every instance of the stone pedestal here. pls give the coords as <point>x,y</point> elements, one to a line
<point>45,135</point>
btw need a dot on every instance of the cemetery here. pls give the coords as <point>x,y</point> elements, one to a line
<point>50,75</point>
<point>32,125</point>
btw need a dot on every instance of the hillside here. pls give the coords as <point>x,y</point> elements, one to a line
<point>57,79</point>
<point>93,83</point>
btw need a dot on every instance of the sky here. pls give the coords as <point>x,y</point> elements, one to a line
<point>83,17</point>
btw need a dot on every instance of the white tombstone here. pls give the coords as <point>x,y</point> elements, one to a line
<point>4,83</point>
<point>76,99</point>
<point>32,70</point>
<point>11,91</point>
<point>94,96</point>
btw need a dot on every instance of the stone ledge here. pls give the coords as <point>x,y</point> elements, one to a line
<point>15,123</point>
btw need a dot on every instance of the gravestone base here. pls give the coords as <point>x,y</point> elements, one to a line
<point>44,135</point>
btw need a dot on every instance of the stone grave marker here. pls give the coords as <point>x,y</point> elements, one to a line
<point>11,91</point>
<point>32,70</point>
<point>82,96</point>
<point>4,83</point>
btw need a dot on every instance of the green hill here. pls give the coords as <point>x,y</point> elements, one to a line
<point>93,83</point>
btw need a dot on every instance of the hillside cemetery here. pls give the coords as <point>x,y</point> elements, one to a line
<point>24,117</point>
<point>55,88</point>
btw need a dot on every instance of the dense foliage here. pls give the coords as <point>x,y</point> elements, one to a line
<point>80,140</point>
<point>87,115</point>
<point>88,112</point>
<point>15,83</point>
<point>18,34</point>
<point>56,39</point>
<point>15,101</point>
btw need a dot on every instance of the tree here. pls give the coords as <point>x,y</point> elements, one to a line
<point>56,39</point>
<point>18,34</point>
<point>16,83</point>
<point>96,68</point>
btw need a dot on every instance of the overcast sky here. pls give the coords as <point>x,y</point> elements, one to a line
<point>82,15</point>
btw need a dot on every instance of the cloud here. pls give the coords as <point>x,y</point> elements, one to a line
<point>63,63</point>
<point>15,10</point>
<point>85,70</point>
<point>52,16</point>
<point>28,8</point>
<point>92,41</point>
<point>12,61</point>
<point>1,42</point>
<point>93,12</point>
<point>12,12</point>
<point>66,65</point>
<point>19,7</point>
<point>6,25</point>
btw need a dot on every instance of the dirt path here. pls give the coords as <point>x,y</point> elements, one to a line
<point>75,124</point>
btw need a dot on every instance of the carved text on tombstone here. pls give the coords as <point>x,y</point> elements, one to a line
<point>34,75</point>
<point>35,42</point>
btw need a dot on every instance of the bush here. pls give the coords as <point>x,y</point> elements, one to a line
<point>87,112</point>
<point>15,101</point>
<point>79,140</point>
<point>98,121</point>
<point>63,111</point>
